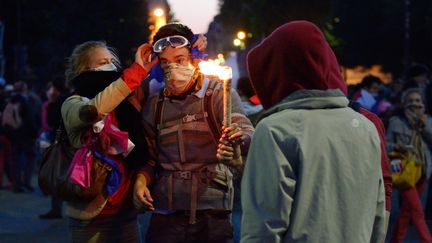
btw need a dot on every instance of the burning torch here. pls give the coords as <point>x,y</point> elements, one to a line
<point>224,75</point>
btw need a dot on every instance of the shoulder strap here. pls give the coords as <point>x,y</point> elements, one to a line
<point>208,107</point>
<point>61,134</point>
<point>158,111</point>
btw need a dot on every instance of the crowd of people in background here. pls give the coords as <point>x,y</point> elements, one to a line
<point>29,120</point>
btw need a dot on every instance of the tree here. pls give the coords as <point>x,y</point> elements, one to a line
<point>373,32</point>
<point>50,29</point>
<point>362,32</point>
<point>261,17</point>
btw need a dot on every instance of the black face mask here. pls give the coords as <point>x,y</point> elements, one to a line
<point>89,84</point>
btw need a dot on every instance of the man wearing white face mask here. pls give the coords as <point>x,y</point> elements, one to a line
<point>190,155</point>
<point>178,78</point>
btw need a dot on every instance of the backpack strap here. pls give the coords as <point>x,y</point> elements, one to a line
<point>158,121</point>
<point>208,107</point>
<point>158,111</point>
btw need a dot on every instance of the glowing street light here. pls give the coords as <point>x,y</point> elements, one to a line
<point>158,12</point>
<point>241,35</point>
<point>237,42</point>
<point>157,19</point>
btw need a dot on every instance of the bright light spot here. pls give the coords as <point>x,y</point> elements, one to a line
<point>237,42</point>
<point>212,68</point>
<point>241,35</point>
<point>221,58</point>
<point>158,12</point>
<point>226,73</point>
<point>336,20</point>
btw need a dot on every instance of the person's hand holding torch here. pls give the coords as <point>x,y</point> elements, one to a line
<point>228,151</point>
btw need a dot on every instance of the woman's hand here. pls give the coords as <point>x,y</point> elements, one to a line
<point>416,116</point>
<point>200,43</point>
<point>143,57</point>
<point>141,195</point>
<point>400,148</point>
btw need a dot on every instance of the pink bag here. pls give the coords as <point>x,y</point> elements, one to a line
<point>81,167</point>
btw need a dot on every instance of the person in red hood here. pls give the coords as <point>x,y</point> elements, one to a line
<point>313,172</point>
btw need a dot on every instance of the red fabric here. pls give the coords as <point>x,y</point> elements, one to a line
<point>384,158</point>
<point>44,124</point>
<point>113,141</point>
<point>255,100</point>
<point>356,95</point>
<point>121,200</point>
<point>133,75</point>
<point>411,210</point>
<point>295,56</point>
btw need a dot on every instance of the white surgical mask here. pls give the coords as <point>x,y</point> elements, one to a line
<point>106,67</point>
<point>178,78</point>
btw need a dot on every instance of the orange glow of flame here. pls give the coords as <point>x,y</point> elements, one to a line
<point>213,68</point>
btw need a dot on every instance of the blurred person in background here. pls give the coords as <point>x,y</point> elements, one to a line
<point>20,127</point>
<point>5,149</point>
<point>412,130</point>
<point>369,96</point>
<point>51,116</point>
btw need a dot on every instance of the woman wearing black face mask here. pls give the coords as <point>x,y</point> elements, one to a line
<point>103,106</point>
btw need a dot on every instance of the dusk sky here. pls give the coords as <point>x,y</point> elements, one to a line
<point>197,14</point>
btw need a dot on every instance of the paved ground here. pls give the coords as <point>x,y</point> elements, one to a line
<point>19,220</point>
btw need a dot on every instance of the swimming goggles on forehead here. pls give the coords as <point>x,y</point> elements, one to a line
<point>175,41</point>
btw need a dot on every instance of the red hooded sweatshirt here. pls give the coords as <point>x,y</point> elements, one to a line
<point>296,56</point>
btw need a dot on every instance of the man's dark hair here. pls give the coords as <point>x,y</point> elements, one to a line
<point>369,80</point>
<point>174,28</point>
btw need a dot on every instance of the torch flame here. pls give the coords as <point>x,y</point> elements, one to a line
<point>213,68</point>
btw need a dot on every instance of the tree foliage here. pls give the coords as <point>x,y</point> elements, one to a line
<point>49,29</point>
<point>362,32</point>
<point>261,17</point>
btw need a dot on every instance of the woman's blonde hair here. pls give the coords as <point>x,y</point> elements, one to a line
<point>78,60</point>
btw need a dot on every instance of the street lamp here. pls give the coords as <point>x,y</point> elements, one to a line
<point>157,19</point>
<point>237,42</point>
<point>158,12</point>
<point>240,41</point>
<point>241,35</point>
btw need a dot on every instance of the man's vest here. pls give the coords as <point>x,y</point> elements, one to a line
<point>187,135</point>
